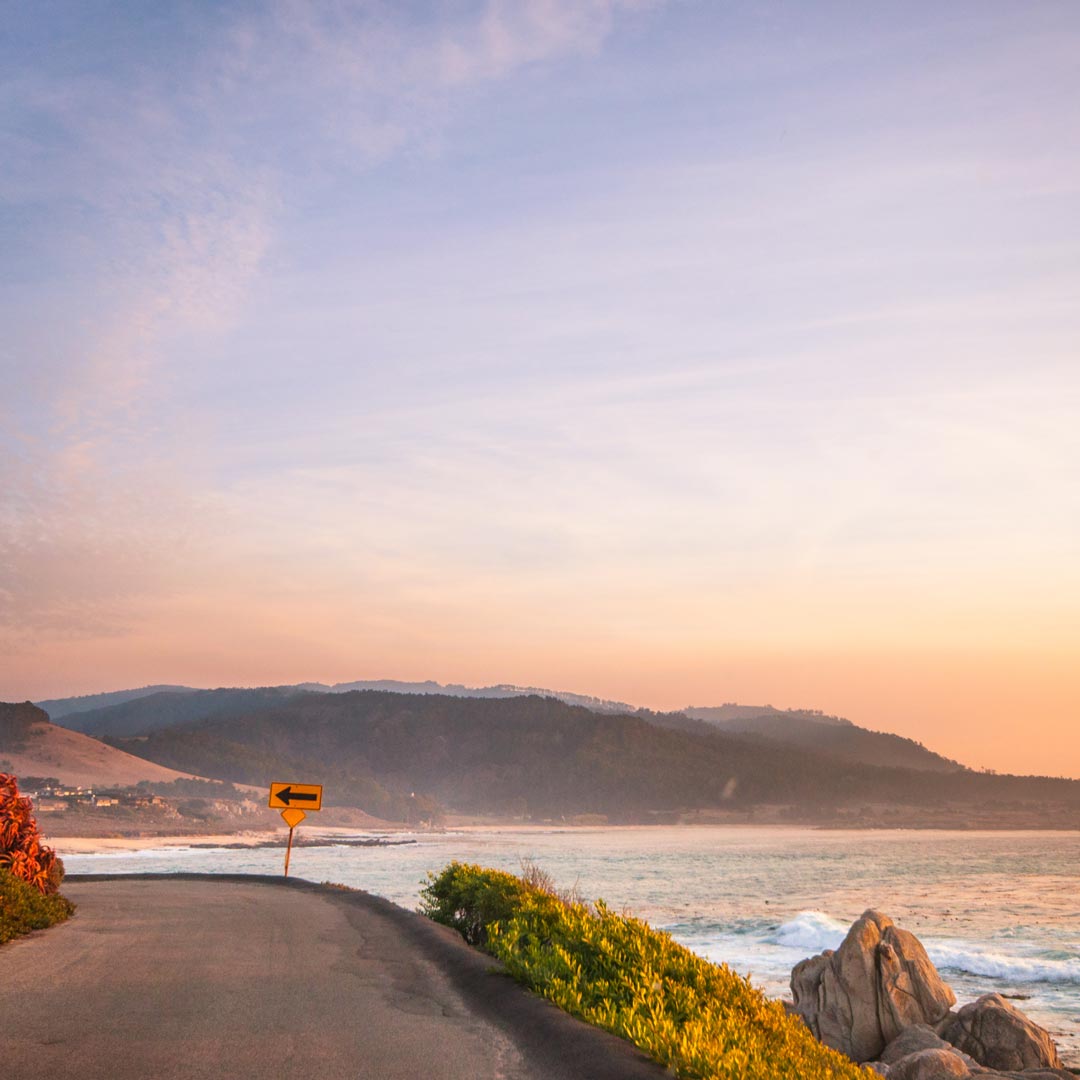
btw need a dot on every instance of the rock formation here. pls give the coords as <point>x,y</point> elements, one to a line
<point>929,1065</point>
<point>880,1000</point>
<point>862,996</point>
<point>1000,1036</point>
<point>920,1037</point>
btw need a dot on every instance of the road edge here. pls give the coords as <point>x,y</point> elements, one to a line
<point>557,1042</point>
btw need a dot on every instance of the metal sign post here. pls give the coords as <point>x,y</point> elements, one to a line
<point>292,818</point>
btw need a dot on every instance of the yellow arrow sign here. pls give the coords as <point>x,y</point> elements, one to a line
<point>296,796</point>
<point>293,816</point>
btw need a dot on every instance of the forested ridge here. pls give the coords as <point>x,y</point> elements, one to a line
<point>538,757</point>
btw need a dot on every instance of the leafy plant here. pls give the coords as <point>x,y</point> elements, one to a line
<point>700,1019</point>
<point>472,899</point>
<point>23,908</point>
<point>21,850</point>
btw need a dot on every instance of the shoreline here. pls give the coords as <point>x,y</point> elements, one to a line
<point>327,836</point>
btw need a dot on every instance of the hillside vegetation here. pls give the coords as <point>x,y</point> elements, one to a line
<point>139,712</point>
<point>699,1018</point>
<point>17,724</point>
<point>153,709</point>
<point>828,734</point>
<point>166,708</point>
<point>57,708</point>
<point>537,757</point>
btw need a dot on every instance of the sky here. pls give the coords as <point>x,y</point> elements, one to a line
<point>674,352</point>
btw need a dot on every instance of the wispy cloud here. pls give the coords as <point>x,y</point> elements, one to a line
<point>170,185</point>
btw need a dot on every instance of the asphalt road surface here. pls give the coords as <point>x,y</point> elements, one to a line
<point>192,977</point>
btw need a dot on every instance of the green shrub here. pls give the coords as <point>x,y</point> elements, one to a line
<point>24,908</point>
<point>699,1018</point>
<point>470,899</point>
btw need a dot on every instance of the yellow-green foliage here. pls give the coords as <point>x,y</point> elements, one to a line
<point>23,908</point>
<point>616,972</point>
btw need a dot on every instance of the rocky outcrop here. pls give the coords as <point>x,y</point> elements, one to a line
<point>879,997</point>
<point>880,982</point>
<point>943,1064</point>
<point>919,1037</point>
<point>999,1036</point>
<point>929,1065</point>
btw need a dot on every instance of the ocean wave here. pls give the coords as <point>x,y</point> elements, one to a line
<point>813,930</point>
<point>1013,969</point>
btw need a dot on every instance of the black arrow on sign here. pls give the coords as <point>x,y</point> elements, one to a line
<point>287,795</point>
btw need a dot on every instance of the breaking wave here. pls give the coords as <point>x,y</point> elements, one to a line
<point>814,931</point>
<point>1013,969</point>
<point>811,930</point>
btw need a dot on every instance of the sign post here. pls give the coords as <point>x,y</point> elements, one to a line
<point>294,800</point>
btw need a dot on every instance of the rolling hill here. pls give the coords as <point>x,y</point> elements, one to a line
<point>31,746</point>
<point>827,734</point>
<point>538,757</point>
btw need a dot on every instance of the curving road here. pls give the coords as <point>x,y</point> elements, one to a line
<point>258,979</point>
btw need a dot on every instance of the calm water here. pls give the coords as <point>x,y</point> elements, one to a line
<point>996,911</point>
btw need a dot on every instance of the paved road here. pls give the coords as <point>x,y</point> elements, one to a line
<point>156,979</point>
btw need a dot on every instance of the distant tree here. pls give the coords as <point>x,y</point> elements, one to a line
<point>21,849</point>
<point>36,783</point>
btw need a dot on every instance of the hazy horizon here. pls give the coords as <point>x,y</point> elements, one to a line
<point>663,352</point>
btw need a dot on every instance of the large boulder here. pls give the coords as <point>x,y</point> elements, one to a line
<point>920,1037</point>
<point>930,1065</point>
<point>999,1036</point>
<point>862,996</point>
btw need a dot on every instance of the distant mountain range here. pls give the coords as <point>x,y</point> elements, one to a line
<point>133,712</point>
<point>538,757</point>
<point>58,708</point>
<point>403,756</point>
<point>139,712</point>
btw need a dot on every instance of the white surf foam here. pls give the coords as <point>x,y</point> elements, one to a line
<point>814,931</point>
<point>1013,969</point>
<point>810,930</point>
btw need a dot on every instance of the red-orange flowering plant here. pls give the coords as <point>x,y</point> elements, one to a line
<point>21,849</point>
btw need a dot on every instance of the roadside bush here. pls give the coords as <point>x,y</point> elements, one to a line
<point>699,1018</point>
<point>24,908</point>
<point>471,899</point>
<point>21,850</point>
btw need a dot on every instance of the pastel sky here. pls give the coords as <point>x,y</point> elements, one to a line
<point>680,353</point>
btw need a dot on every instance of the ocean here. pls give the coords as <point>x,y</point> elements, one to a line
<point>996,911</point>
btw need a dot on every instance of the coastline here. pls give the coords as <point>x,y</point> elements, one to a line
<point>244,838</point>
<point>390,835</point>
